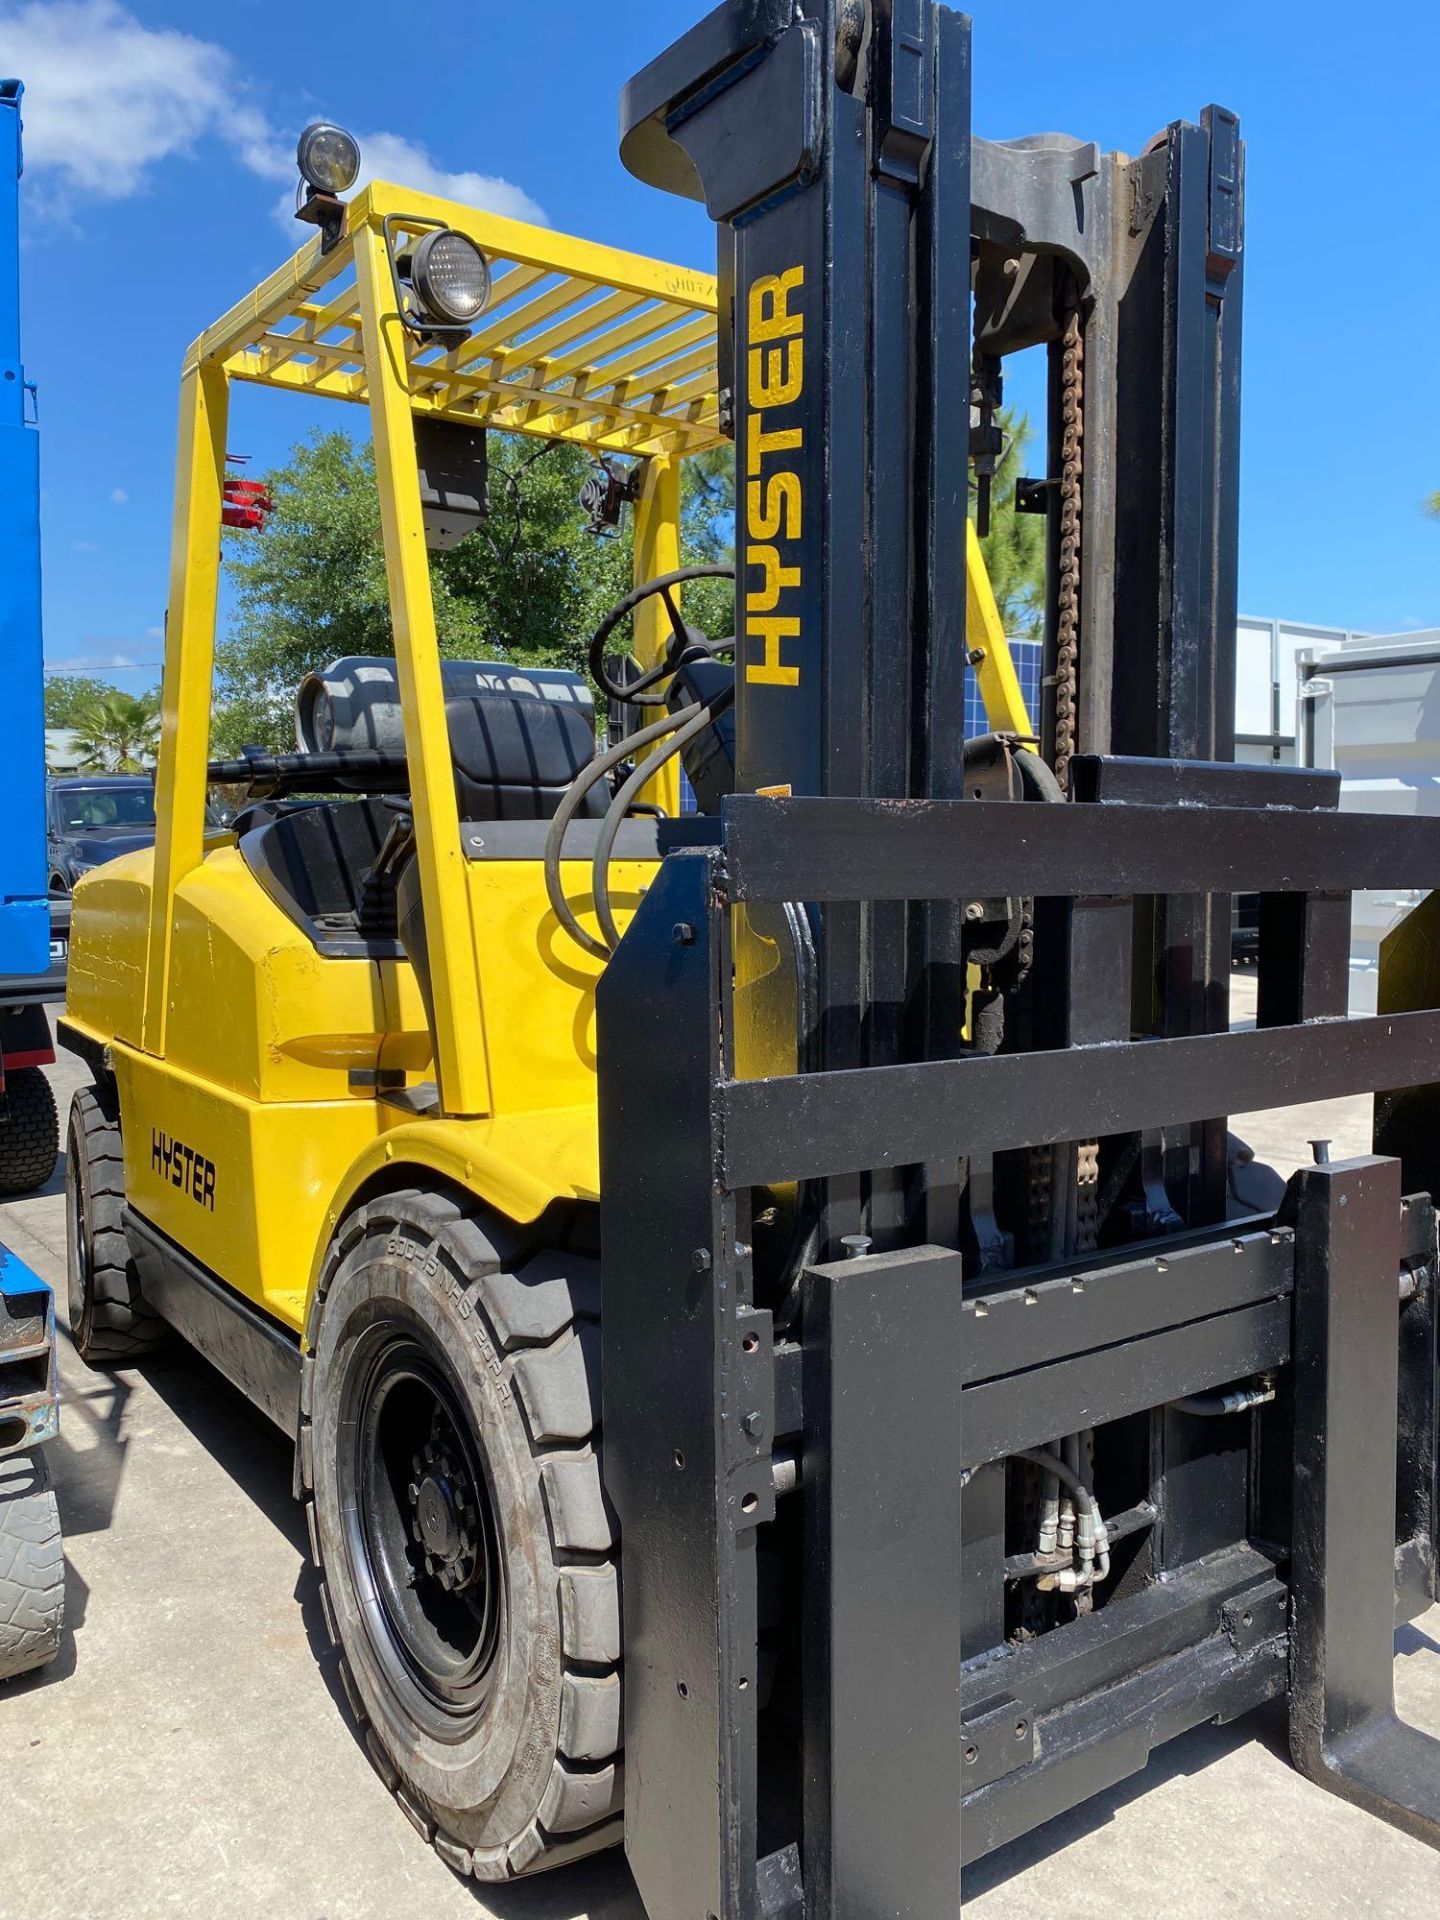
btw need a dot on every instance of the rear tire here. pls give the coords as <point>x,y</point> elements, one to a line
<point>32,1566</point>
<point>450,1462</point>
<point>110,1322</point>
<point>29,1132</point>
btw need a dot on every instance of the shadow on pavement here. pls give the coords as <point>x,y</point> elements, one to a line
<point>54,1186</point>
<point>595,1889</point>
<point>237,1437</point>
<point>87,1465</point>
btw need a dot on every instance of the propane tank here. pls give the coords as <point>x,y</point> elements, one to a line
<point>355,702</point>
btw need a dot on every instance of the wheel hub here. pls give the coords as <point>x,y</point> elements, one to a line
<point>422,1538</point>
<point>444,1515</point>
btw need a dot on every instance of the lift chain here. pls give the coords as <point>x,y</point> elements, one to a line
<point>1072,455</point>
<point>1041,1161</point>
<point>1072,474</point>
<point>1087,1195</point>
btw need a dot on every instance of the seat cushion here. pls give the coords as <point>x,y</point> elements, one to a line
<point>514,758</point>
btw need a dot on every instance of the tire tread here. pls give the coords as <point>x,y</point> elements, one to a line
<point>123,1327</point>
<point>542,1308</point>
<point>29,1132</point>
<point>32,1566</point>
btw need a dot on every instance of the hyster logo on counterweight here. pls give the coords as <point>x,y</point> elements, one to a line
<point>183,1167</point>
<point>773,498</point>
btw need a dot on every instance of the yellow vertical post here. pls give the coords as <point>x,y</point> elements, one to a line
<point>186,686</point>
<point>990,656</point>
<point>460,1061</point>
<point>657,551</point>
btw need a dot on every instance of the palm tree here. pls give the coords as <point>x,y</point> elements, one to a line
<point>117,732</point>
<point>1432,505</point>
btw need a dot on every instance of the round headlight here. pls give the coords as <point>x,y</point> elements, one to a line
<point>328,157</point>
<point>451,277</point>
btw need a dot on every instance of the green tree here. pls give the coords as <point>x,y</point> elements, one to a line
<point>67,693</point>
<point>1014,548</point>
<point>707,533</point>
<point>530,585</point>
<point>117,732</point>
<point>1432,505</point>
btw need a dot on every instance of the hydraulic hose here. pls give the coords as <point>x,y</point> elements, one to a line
<point>695,720</point>
<point>1092,1541</point>
<point>594,770</point>
<point>1051,1463</point>
<point>1214,1406</point>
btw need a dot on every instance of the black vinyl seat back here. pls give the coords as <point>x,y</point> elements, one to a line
<point>313,859</point>
<point>515,757</point>
<point>414,938</point>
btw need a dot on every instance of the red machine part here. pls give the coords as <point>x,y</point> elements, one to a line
<point>35,1057</point>
<point>247,505</point>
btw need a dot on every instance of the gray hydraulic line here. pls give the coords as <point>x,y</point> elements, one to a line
<point>1093,1543</point>
<point>1214,1406</point>
<point>594,770</point>
<point>1069,1515</point>
<point>695,723</point>
<point>1052,1463</point>
<point>1030,1566</point>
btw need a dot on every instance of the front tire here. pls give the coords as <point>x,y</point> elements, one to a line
<point>449,1453</point>
<point>32,1566</point>
<point>110,1322</point>
<point>29,1132</point>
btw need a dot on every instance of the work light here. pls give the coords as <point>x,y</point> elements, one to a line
<point>328,158</point>
<point>450,277</point>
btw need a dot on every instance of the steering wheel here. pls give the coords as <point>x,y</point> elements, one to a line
<point>681,635</point>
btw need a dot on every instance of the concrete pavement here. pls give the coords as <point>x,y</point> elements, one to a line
<point>187,1756</point>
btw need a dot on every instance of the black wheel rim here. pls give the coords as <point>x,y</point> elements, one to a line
<point>420,1531</point>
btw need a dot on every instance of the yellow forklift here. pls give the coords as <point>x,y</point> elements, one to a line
<point>970,1430</point>
<point>343,1134</point>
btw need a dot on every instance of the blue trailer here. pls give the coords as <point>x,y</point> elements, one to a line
<point>32,1574</point>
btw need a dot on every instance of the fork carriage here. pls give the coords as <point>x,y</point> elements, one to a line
<point>855,1659</point>
<point>1259,1552</point>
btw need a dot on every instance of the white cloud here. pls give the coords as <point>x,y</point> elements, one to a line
<point>97,662</point>
<point>119,496</point>
<point>408,163</point>
<point>109,99</point>
<point>389,156</point>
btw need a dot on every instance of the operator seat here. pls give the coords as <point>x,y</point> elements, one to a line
<point>514,757</point>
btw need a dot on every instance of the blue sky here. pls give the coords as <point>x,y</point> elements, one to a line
<point>159,138</point>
